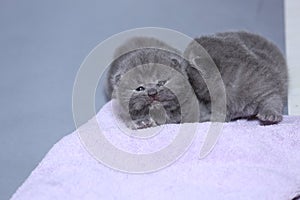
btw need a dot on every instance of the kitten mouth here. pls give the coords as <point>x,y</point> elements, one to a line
<point>154,98</point>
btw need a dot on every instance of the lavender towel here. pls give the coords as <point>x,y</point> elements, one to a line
<point>249,161</point>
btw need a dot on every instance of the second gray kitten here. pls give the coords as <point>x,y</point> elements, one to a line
<point>254,73</point>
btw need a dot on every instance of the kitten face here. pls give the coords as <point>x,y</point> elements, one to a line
<point>152,87</point>
<point>150,94</point>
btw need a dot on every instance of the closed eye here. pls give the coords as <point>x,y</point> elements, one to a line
<point>161,83</point>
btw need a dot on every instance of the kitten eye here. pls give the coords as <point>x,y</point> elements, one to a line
<point>161,83</point>
<point>141,88</point>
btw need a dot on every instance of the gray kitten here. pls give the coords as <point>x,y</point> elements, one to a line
<point>149,80</point>
<point>254,73</point>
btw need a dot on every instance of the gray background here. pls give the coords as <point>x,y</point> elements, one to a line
<point>42,44</point>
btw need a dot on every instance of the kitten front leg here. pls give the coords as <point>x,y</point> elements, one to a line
<point>270,110</point>
<point>204,111</point>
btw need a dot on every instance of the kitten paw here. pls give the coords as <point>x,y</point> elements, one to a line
<point>146,123</point>
<point>269,117</point>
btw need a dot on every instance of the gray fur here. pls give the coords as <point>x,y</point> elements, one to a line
<point>254,73</point>
<point>253,70</point>
<point>168,85</point>
<point>142,42</point>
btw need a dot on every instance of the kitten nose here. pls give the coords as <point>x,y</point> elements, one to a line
<point>152,92</point>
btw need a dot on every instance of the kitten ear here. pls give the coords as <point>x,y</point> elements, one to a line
<point>115,81</point>
<point>117,77</point>
<point>112,82</point>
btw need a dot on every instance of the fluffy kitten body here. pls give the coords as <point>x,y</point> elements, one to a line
<point>253,70</point>
<point>254,73</point>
